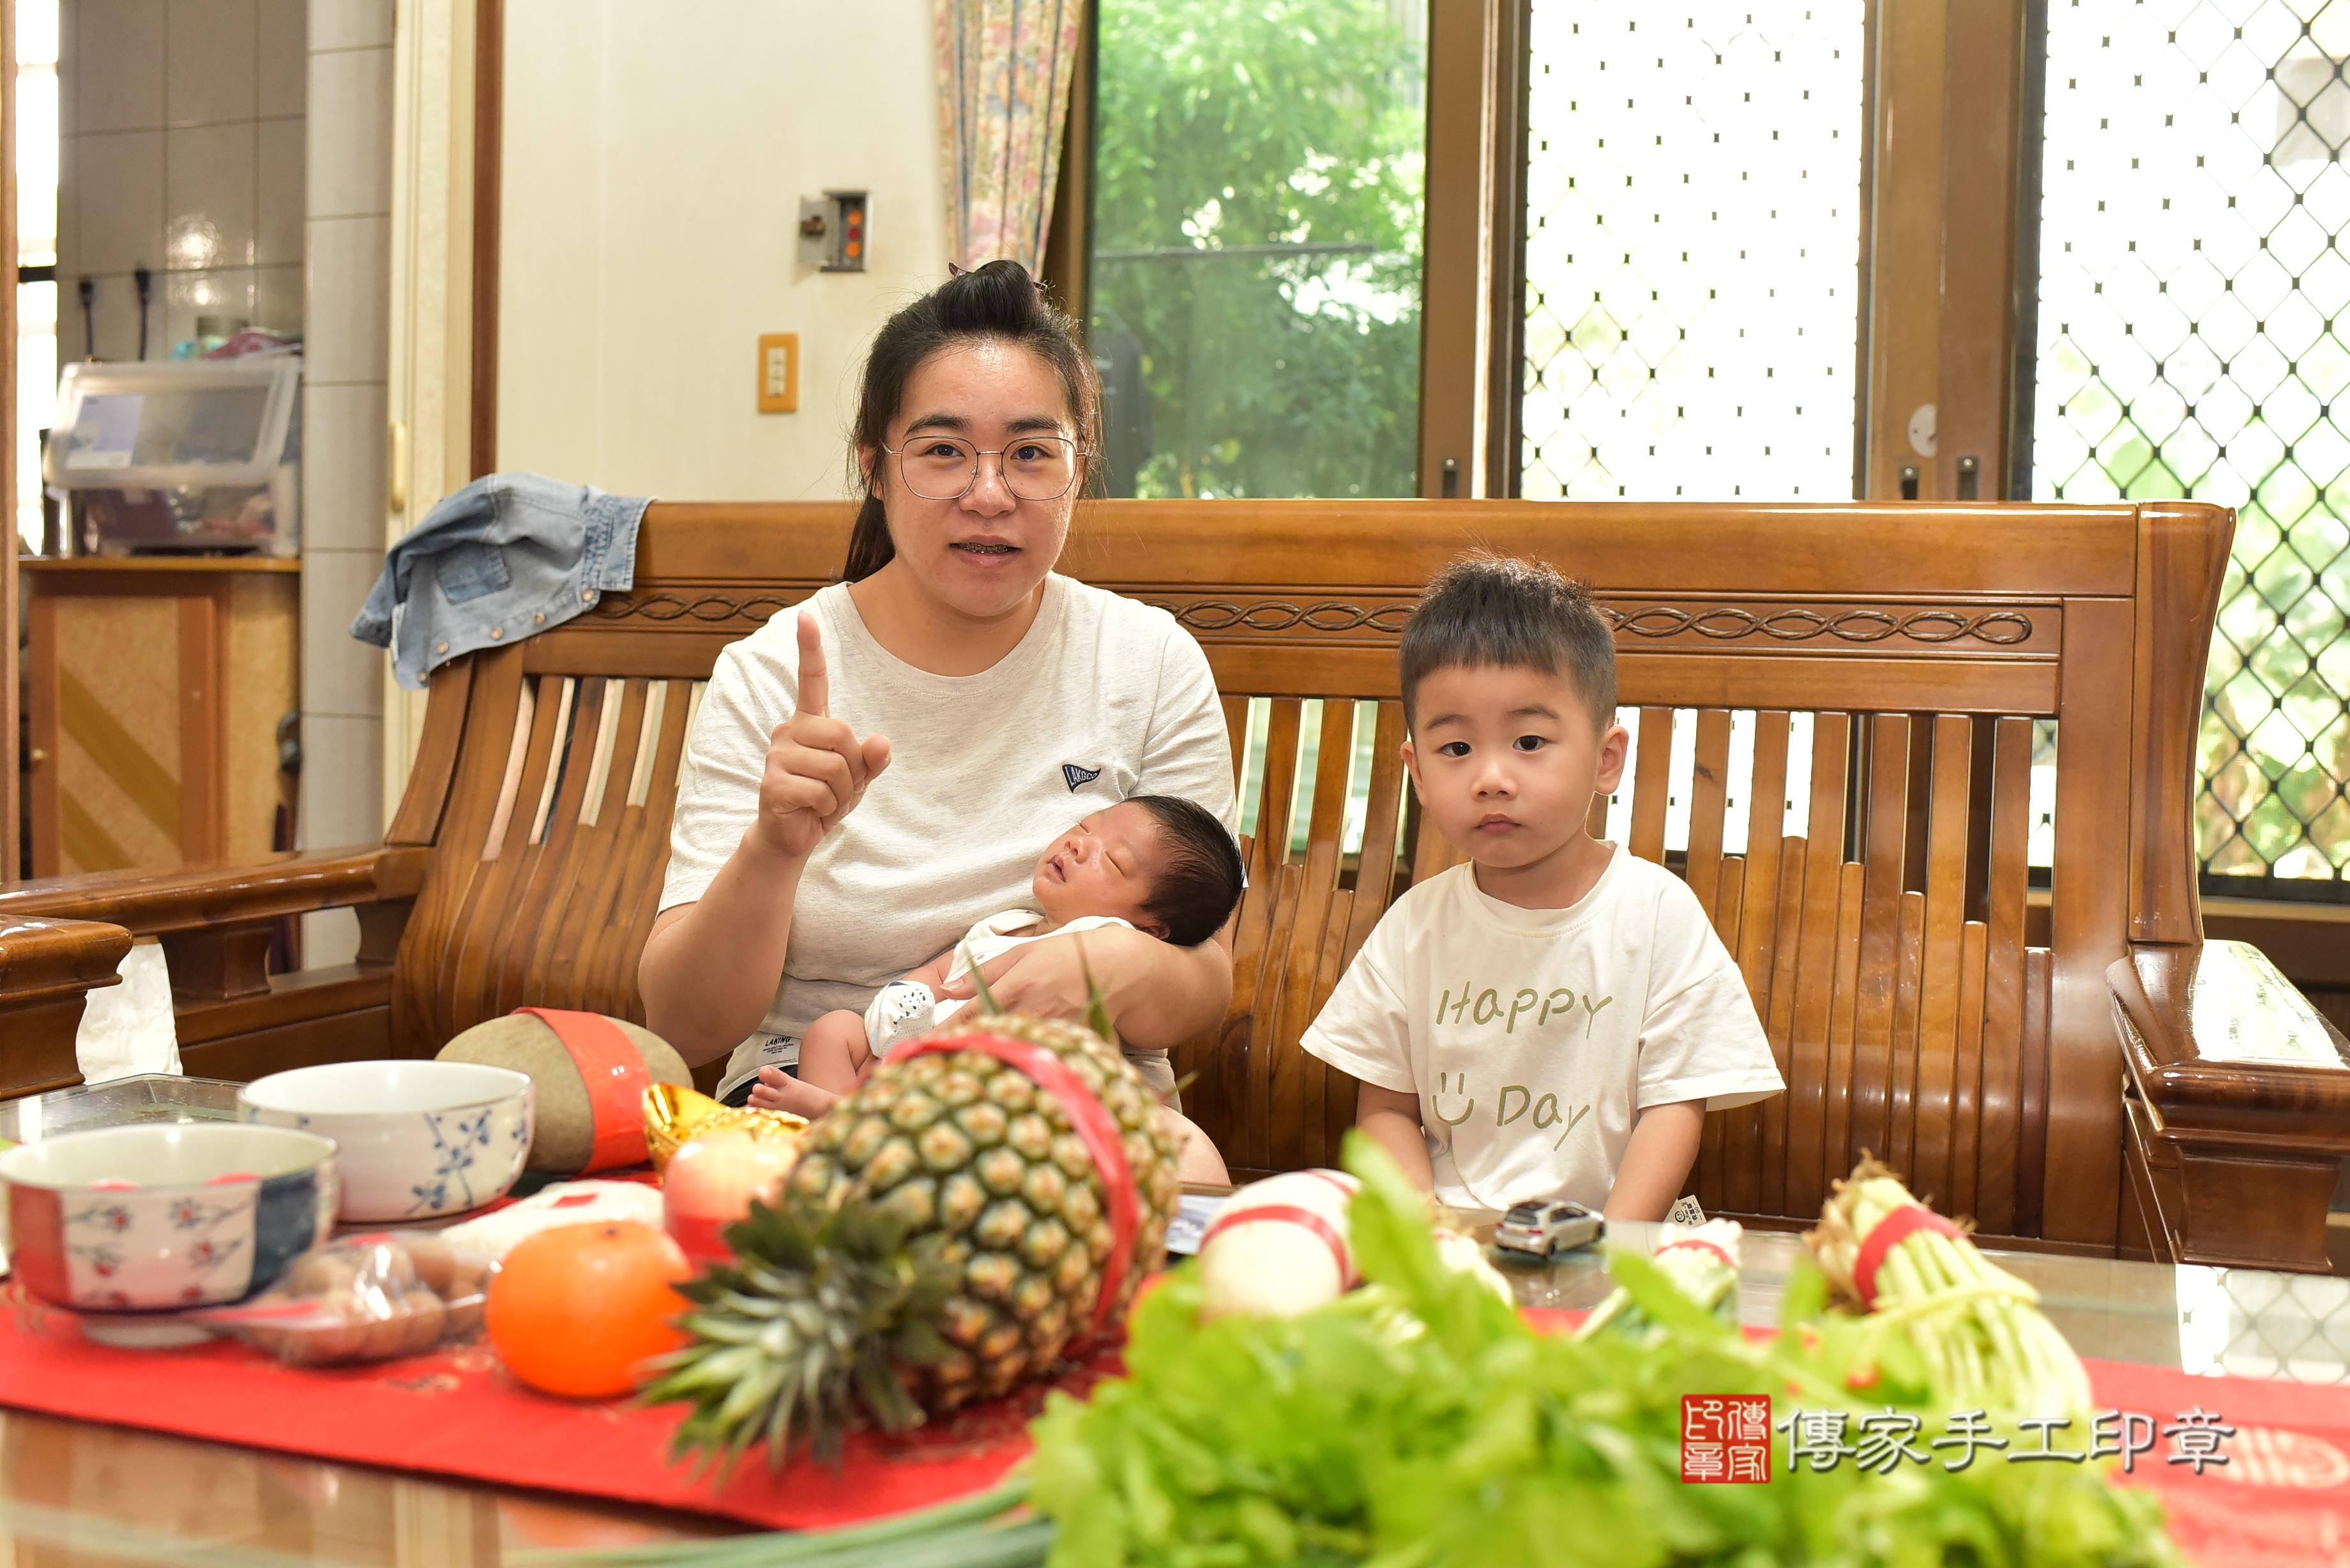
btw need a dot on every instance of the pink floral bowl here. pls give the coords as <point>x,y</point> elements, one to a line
<point>164,1216</point>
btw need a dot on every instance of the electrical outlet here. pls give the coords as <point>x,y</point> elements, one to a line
<point>779,373</point>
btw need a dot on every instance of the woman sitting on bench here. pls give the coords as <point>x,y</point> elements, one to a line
<point>813,860</point>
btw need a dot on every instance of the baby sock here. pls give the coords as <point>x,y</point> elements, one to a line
<point>902,1011</point>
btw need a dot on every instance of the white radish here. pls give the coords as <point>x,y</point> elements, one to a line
<point>1279,1247</point>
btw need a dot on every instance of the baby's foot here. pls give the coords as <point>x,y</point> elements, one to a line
<point>777,1090</point>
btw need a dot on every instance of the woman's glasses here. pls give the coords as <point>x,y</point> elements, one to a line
<point>944,468</point>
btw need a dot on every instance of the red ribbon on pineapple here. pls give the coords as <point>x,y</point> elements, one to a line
<point>1089,1118</point>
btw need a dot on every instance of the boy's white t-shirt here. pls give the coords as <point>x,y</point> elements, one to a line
<point>1534,1037</point>
<point>1104,698</point>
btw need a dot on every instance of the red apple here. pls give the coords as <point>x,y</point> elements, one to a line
<point>711,1181</point>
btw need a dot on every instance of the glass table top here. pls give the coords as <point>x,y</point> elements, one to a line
<point>2236,1322</point>
<point>75,1492</point>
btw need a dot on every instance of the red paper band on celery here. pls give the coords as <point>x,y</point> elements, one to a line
<point>1089,1118</point>
<point>1891,1231</point>
<point>1289,1214</point>
<point>616,1079</point>
<point>1699,1245</point>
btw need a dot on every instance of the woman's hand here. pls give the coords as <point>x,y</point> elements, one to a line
<point>1046,978</point>
<point>818,769</point>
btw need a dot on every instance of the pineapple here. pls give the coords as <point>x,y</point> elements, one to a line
<point>944,1236</point>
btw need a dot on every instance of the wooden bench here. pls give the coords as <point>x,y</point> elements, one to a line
<point>2056,1054</point>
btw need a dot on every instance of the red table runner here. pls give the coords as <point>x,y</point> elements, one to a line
<point>2282,1498</point>
<point>456,1413</point>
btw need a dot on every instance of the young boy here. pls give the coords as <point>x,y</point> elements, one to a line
<point>1555,1018</point>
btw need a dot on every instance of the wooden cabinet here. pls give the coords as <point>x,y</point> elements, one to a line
<point>154,688</point>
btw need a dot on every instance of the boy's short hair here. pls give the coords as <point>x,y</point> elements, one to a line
<point>1199,877</point>
<point>1518,613</point>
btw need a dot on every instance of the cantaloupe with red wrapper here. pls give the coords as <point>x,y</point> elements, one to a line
<point>591,1073</point>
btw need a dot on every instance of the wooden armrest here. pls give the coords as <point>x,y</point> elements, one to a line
<point>46,968</point>
<point>2238,1099</point>
<point>43,960</point>
<point>194,898</point>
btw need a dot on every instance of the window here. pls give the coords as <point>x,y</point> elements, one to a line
<point>1255,277</point>
<point>1693,233</point>
<point>2194,308</point>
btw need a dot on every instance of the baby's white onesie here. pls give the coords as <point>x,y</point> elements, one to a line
<point>906,1008</point>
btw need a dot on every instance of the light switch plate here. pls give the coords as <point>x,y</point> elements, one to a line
<point>779,372</point>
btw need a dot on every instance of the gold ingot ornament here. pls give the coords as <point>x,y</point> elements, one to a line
<point>675,1114</point>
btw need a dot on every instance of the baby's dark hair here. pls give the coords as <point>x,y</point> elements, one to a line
<point>1198,880</point>
<point>1517,613</point>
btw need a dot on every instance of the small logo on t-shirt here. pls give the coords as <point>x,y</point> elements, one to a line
<point>1078,777</point>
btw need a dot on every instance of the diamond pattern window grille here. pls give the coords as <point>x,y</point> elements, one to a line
<point>2194,312</point>
<point>1692,240</point>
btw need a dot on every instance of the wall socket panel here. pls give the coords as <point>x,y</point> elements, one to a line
<point>779,373</point>
<point>832,231</point>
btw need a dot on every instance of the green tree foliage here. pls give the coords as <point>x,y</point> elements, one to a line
<point>2274,751</point>
<point>1287,136</point>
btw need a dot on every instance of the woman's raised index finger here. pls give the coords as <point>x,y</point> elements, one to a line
<point>815,684</point>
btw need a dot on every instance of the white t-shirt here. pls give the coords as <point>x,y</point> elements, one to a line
<point>1534,1037</point>
<point>1104,698</point>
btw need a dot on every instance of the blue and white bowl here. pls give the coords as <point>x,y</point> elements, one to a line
<point>419,1138</point>
<point>160,1215</point>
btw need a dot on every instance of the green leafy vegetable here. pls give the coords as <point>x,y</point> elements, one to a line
<point>1420,1423</point>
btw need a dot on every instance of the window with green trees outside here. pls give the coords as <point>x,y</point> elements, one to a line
<point>1255,287</point>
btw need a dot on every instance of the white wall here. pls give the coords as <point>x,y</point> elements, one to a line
<point>344,419</point>
<point>654,160</point>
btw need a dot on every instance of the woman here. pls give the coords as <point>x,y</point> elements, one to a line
<point>867,779</point>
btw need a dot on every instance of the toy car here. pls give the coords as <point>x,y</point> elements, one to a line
<point>1555,1225</point>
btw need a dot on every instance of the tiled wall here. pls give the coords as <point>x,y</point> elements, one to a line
<point>345,424</point>
<point>242,150</point>
<point>182,150</point>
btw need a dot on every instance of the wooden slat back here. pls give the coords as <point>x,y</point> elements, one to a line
<point>1815,687</point>
<point>551,860</point>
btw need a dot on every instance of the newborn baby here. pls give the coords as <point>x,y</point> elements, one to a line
<point>1155,864</point>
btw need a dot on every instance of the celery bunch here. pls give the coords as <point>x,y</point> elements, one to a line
<point>1978,1328</point>
<point>1700,1261</point>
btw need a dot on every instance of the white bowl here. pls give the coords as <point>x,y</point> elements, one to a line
<point>188,1215</point>
<point>419,1138</point>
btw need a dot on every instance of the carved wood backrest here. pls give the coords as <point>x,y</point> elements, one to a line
<point>1839,713</point>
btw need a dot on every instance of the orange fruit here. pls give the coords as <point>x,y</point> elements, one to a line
<point>577,1310</point>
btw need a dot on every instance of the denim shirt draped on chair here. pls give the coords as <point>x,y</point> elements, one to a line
<point>509,554</point>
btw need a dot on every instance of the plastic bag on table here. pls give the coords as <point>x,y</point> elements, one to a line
<point>364,1298</point>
